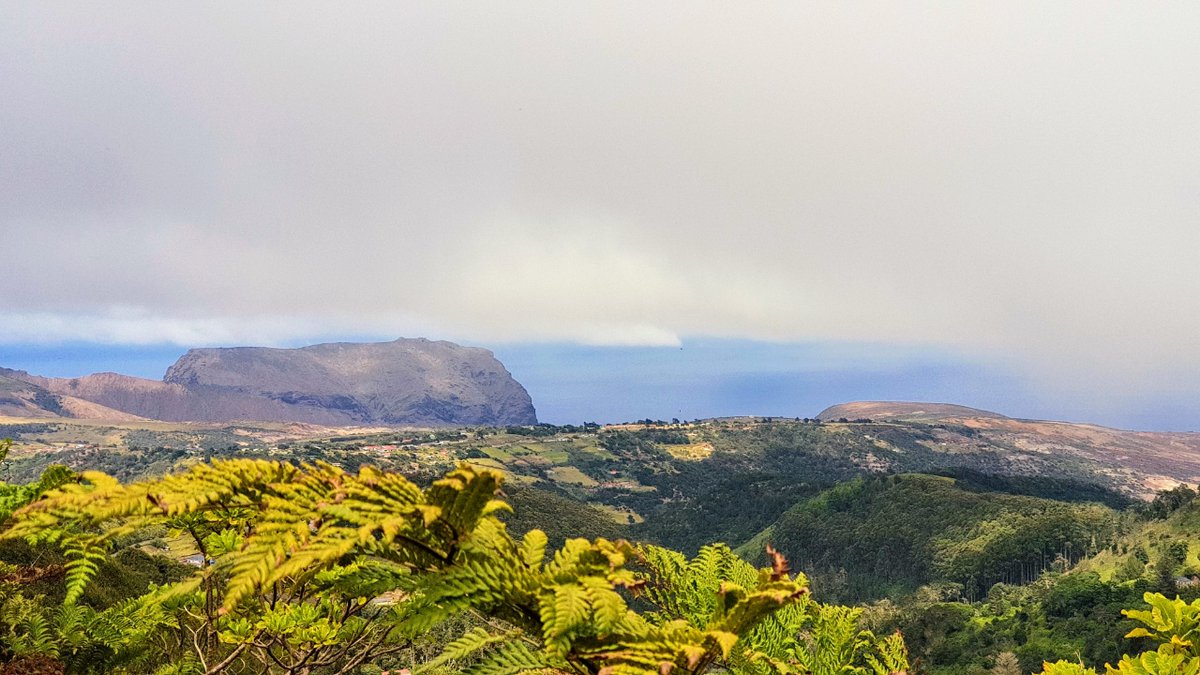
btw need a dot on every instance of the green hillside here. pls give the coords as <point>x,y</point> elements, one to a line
<point>886,535</point>
<point>1070,613</point>
<point>559,516</point>
<point>1164,544</point>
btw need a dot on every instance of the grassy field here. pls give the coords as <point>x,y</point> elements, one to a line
<point>571,476</point>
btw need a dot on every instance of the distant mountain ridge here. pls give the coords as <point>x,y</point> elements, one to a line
<point>904,410</point>
<point>19,397</point>
<point>1165,457</point>
<point>410,381</point>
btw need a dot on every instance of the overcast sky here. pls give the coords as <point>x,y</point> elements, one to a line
<point>1013,185</point>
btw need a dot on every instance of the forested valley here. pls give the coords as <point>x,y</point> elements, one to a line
<point>747,546</point>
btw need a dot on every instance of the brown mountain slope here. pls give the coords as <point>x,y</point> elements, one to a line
<point>22,398</point>
<point>405,382</point>
<point>1150,460</point>
<point>156,400</point>
<point>1164,458</point>
<point>904,410</point>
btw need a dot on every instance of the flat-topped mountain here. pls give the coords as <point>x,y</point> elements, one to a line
<point>404,382</point>
<point>1162,459</point>
<point>904,410</point>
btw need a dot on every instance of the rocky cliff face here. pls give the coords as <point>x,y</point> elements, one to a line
<point>405,382</point>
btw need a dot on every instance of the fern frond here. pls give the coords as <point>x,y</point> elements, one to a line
<point>364,577</point>
<point>469,645</point>
<point>84,555</point>
<point>891,656</point>
<point>513,658</point>
<point>30,630</point>
<point>533,548</point>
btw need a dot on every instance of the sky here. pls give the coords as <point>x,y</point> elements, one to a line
<point>702,207</point>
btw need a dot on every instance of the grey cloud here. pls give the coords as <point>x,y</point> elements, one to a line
<point>1018,180</point>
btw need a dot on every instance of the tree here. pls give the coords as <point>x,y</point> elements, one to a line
<point>1006,664</point>
<point>1172,624</point>
<point>1168,560</point>
<point>1167,502</point>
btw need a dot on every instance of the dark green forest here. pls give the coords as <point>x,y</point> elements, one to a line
<point>884,536</point>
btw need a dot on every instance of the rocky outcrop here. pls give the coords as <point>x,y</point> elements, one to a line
<point>405,382</point>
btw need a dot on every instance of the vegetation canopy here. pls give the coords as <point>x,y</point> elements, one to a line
<point>307,569</point>
<point>310,567</point>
